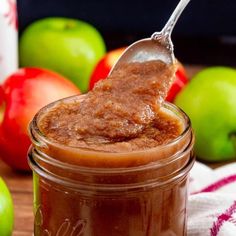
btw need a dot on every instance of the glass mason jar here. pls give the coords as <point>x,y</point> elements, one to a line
<point>79,192</point>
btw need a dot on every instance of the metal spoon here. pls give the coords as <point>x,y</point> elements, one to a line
<point>158,47</point>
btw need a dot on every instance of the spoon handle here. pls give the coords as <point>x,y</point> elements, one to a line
<point>174,17</point>
<point>167,30</point>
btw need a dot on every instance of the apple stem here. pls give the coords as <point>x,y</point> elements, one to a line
<point>70,25</point>
<point>232,136</point>
<point>2,110</point>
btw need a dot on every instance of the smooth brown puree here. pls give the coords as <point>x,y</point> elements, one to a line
<point>122,113</point>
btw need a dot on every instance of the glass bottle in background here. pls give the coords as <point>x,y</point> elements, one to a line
<point>8,38</point>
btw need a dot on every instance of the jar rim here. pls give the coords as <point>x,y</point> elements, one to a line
<point>41,138</point>
<point>135,186</point>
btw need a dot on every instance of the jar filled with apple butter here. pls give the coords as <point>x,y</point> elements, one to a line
<point>114,161</point>
<point>132,187</point>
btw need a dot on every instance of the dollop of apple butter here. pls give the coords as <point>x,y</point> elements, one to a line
<point>122,112</point>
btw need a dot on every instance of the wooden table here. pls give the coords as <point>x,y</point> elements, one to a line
<point>21,188</point>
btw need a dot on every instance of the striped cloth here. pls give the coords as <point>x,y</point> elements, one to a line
<point>212,201</point>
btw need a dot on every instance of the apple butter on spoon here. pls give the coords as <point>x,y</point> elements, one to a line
<point>115,109</point>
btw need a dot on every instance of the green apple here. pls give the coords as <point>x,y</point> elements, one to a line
<point>70,47</point>
<point>210,102</point>
<point>6,210</point>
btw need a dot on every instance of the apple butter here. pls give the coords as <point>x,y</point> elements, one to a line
<point>115,161</point>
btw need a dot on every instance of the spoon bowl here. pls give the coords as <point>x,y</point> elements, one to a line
<point>158,47</point>
<point>146,50</point>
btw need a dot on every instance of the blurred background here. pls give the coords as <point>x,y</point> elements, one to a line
<point>205,34</point>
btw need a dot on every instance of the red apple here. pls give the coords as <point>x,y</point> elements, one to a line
<point>104,66</point>
<point>24,93</point>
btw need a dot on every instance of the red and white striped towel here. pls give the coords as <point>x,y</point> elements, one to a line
<point>212,201</point>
